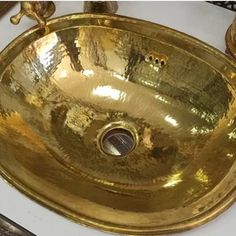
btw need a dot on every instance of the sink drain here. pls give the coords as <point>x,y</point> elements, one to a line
<point>117,142</point>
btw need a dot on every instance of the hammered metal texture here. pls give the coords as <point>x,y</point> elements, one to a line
<point>59,92</point>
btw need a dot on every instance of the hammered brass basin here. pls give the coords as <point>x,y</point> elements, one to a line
<point>119,123</point>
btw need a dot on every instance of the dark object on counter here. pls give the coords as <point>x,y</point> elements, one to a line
<point>231,5</point>
<point>6,6</point>
<point>10,228</point>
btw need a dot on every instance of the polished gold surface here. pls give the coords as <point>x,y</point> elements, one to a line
<point>93,127</point>
<point>36,10</point>
<point>230,39</point>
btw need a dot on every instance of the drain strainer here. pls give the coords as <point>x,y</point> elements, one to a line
<point>117,141</point>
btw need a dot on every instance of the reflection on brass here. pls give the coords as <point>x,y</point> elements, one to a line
<point>230,39</point>
<point>100,6</point>
<point>36,10</point>
<point>5,6</point>
<point>93,130</point>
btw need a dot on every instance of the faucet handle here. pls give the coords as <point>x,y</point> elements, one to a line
<point>36,10</point>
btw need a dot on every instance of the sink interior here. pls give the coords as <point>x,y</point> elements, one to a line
<point>119,123</point>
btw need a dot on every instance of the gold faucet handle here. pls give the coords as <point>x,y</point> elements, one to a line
<point>35,10</point>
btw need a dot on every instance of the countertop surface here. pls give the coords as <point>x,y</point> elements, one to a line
<point>199,19</point>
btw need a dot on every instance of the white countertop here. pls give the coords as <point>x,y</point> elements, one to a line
<point>199,19</point>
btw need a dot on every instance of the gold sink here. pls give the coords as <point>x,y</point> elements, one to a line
<point>119,123</point>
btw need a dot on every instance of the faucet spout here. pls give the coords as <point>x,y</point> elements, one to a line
<point>100,6</point>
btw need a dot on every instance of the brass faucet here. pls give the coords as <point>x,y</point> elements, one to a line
<point>100,6</point>
<point>41,10</point>
<point>35,10</point>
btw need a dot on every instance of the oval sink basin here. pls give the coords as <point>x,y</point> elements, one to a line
<point>118,123</point>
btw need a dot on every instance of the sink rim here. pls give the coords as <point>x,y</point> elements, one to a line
<point>223,204</point>
<point>53,25</point>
